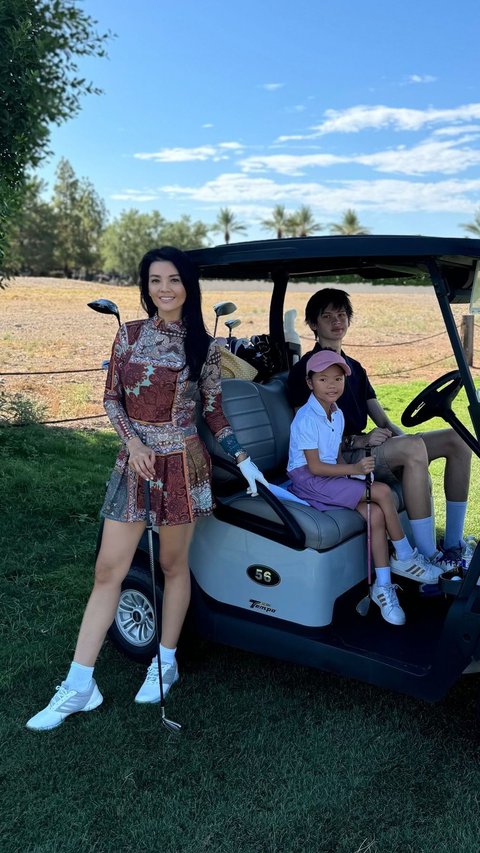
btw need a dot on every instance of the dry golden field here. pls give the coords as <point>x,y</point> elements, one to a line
<point>45,325</point>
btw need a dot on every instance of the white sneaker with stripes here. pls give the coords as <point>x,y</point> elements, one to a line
<point>417,568</point>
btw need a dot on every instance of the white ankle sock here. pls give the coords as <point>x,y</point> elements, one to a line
<point>455,519</point>
<point>383,575</point>
<point>167,655</point>
<point>422,529</point>
<point>79,677</point>
<point>403,549</point>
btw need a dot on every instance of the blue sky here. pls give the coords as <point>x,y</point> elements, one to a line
<point>206,104</point>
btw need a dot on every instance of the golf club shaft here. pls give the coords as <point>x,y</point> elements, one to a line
<point>368,486</point>
<point>154,596</point>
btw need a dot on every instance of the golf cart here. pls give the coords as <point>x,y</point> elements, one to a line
<point>279,578</point>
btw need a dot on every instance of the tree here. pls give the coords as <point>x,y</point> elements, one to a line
<point>126,239</point>
<point>473,227</point>
<point>228,224</point>
<point>302,222</point>
<point>278,221</point>
<point>33,238</point>
<point>184,234</point>
<point>349,225</point>
<point>40,84</point>
<point>80,217</point>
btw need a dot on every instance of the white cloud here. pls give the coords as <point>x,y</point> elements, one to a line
<point>289,164</point>
<point>179,155</point>
<point>208,124</point>
<point>457,130</point>
<point>421,78</point>
<point>186,155</point>
<point>272,87</point>
<point>135,195</point>
<point>428,156</point>
<point>361,117</point>
<point>329,198</point>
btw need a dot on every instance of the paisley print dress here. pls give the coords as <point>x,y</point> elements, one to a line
<point>148,394</point>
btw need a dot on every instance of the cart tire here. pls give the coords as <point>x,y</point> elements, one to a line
<point>133,630</point>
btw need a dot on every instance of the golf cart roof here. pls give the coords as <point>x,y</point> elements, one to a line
<point>370,257</point>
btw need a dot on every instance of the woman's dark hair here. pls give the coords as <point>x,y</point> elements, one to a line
<point>197,339</point>
<point>320,301</point>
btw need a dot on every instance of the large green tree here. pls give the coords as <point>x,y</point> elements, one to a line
<point>40,84</point>
<point>349,225</point>
<point>185,234</point>
<point>126,240</point>
<point>228,224</point>
<point>33,238</point>
<point>80,221</point>
<point>473,227</point>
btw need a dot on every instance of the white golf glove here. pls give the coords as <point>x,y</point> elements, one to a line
<point>252,475</point>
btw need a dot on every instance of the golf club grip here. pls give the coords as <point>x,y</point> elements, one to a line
<point>368,477</point>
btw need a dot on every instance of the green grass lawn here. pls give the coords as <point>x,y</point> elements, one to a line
<point>274,758</point>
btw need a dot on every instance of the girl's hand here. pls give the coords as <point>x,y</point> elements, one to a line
<point>378,435</point>
<point>364,466</point>
<point>141,459</point>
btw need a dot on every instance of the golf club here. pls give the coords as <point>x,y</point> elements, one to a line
<point>105,306</point>
<point>221,309</point>
<point>363,606</point>
<point>231,324</point>
<point>168,724</point>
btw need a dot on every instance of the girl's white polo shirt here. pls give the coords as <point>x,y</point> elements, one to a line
<point>311,429</point>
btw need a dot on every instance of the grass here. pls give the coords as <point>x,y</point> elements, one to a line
<point>274,758</point>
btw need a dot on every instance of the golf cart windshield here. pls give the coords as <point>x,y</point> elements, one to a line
<point>450,265</point>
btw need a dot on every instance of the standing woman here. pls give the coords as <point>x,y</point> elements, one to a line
<point>159,368</point>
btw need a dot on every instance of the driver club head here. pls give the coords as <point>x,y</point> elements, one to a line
<point>223,308</point>
<point>232,324</point>
<point>105,306</point>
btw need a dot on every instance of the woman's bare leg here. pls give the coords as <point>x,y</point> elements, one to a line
<point>174,547</point>
<point>119,543</point>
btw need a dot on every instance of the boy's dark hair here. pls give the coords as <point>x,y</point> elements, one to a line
<point>197,339</point>
<point>320,300</point>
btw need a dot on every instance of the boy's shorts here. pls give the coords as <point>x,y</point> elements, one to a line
<point>382,471</point>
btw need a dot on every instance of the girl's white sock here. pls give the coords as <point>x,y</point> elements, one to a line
<point>383,575</point>
<point>167,655</point>
<point>403,549</point>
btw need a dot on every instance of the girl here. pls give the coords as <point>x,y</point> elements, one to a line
<point>158,370</point>
<point>320,476</point>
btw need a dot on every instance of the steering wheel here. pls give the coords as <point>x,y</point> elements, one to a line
<point>433,400</point>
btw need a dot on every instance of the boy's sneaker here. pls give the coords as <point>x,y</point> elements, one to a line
<point>65,701</point>
<point>150,689</point>
<point>448,558</point>
<point>386,598</point>
<point>417,568</point>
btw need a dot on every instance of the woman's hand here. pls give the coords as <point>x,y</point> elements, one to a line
<point>252,475</point>
<point>378,436</point>
<point>364,466</point>
<point>141,459</point>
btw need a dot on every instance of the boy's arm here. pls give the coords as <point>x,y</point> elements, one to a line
<point>380,418</point>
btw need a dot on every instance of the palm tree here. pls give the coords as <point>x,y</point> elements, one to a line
<point>278,221</point>
<point>302,223</point>
<point>228,224</point>
<point>349,225</point>
<point>473,227</point>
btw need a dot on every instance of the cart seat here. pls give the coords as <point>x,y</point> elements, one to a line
<point>260,416</point>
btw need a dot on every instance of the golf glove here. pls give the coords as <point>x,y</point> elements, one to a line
<point>252,475</point>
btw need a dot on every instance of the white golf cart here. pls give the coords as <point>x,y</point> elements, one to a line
<point>279,578</point>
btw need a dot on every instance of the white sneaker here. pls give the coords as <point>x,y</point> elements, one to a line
<point>417,568</point>
<point>150,689</point>
<point>386,598</point>
<point>65,702</point>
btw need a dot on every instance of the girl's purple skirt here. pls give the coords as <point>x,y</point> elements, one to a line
<point>326,492</point>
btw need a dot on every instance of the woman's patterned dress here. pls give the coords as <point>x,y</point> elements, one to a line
<point>148,394</point>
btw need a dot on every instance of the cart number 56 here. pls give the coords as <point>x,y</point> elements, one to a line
<point>263,575</point>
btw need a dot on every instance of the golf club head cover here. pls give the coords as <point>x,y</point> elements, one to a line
<point>252,475</point>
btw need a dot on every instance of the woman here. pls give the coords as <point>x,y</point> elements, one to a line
<point>159,368</point>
